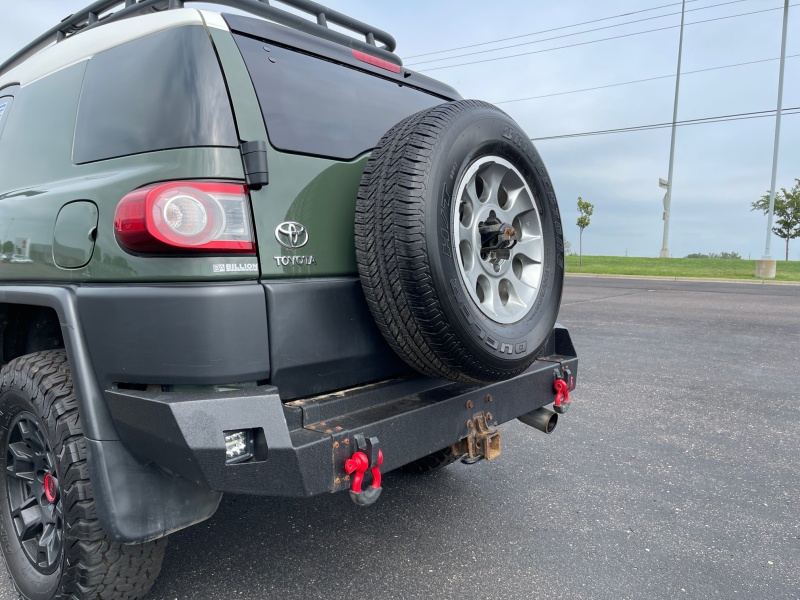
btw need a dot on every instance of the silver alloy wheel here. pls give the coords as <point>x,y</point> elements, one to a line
<point>503,283</point>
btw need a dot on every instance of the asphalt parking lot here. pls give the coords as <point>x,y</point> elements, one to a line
<point>676,474</point>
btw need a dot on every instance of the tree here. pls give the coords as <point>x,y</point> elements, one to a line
<point>567,247</point>
<point>585,209</point>
<point>721,255</point>
<point>787,213</point>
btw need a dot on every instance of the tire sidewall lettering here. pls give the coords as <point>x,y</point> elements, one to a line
<point>480,135</point>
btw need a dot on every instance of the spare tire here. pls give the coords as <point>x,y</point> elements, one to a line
<point>459,243</point>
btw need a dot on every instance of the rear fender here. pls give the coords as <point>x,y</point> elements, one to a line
<point>135,502</point>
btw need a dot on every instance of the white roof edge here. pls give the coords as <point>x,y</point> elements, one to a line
<point>215,20</point>
<point>83,46</point>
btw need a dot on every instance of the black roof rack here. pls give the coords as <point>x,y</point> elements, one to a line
<point>100,12</point>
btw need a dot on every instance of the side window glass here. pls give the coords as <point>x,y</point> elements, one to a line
<point>5,109</point>
<point>159,92</point>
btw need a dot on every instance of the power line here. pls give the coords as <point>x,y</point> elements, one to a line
<point>557,37</point>
<point>616,37</point>
<point>701,121</point>
<point>759,114</point>
<point>516,37</point>
<point>610,85</point>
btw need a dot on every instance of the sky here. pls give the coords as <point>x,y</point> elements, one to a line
<point>720,168</point>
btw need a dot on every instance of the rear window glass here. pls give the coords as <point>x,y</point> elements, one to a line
<point>159,92</point>
<point>315,106</point>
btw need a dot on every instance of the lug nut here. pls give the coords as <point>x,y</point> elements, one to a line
<point>489,398</point>
<point>470,404</point>
<point>470,424</point>
<point>489,416</point>
<point>335,444</point>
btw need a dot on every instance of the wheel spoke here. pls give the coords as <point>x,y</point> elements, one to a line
<point>28,522</point>
<point>510,297</point>
<point>471,194</point>
<point>32,436</point>
<point>25,504</point>
<point>524,275</point>
<point>37,522</point>
<point>472,274</point>
<point>469,205</point>
<point>494,302</point>
<point>503,284</point>
<point>530,248</point>
<point>519,202</point>
<point>49,542</point>
<point>492,176</point>
<point>465,233</point>
<point>17,472</point>
<point>21,451</point>
<point>49,516</point>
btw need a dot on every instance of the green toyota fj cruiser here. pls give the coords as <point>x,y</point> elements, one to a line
<point>256,255</point>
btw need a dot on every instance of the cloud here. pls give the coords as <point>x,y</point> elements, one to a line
<point>719,168</point>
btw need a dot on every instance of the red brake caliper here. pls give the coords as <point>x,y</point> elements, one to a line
<point>367,457</point>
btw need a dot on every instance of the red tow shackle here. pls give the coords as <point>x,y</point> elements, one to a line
<point>367,457</point>
<point>562,388</point>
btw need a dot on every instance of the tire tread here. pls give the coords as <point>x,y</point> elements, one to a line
<point>96,567</point>
<point>392,249</point>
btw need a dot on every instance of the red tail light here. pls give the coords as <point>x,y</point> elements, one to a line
<point>376,62</point>
<point>188,215</point>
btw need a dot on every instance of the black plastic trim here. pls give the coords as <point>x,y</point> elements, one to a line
<point>323,337</point>
<point>190,334</point>
<point>97,423</point>
<point>256,169</point>
<point>135,501</point>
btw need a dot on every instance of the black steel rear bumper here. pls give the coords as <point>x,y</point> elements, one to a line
<point>309,439</point>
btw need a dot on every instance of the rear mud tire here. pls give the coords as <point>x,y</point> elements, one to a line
<point>89,565</point>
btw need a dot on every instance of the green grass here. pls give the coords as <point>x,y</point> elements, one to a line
<point>678,267</point>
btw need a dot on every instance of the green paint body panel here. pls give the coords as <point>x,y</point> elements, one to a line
<point>38,179</point>
<point>74,233</point>
<point>316,192</point>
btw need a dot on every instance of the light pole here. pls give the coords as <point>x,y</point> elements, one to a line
<point>766,267</point>
<point>668,196</point>
<point>664,185</point>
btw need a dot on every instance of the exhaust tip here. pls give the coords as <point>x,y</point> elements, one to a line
<point>543,419</point>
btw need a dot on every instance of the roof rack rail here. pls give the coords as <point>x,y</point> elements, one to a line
<point>100,12</point>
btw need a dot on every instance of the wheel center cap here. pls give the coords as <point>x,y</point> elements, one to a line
<point>50,488</point>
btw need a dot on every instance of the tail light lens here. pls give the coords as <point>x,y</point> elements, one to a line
<point>190,216</point>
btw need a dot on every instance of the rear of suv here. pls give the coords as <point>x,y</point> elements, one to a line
<point>250,254</point>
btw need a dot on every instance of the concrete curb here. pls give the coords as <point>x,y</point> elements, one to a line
<point>698,279</point>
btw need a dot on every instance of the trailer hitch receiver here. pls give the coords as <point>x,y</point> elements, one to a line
<point>483,441</point>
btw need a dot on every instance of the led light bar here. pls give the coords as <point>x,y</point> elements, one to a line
<point>238,446</point>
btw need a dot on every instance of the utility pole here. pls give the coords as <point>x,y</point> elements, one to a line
<point>668,196</point>
<point>766,267</point>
